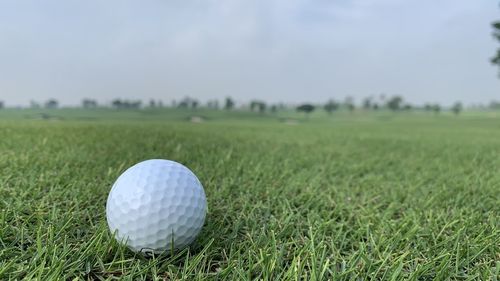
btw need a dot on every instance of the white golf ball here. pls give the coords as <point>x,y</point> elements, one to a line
<point>155,206</point>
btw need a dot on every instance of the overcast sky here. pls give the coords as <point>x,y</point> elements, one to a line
<point>275,50</point>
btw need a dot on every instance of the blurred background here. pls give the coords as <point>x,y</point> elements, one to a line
<point>259,55</point>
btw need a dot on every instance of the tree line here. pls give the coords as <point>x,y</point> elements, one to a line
<point>371,103</point>
<point>395,103</point>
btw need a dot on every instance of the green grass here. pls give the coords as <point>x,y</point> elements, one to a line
<point>368,196</point>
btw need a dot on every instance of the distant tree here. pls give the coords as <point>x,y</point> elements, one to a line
<point>375,106</point>
<point>117,103</point>
<point>34,104</point>
<point>457,108</point>
<point>213,104</point>
<point>229,104</point>
<point>135,104</point>
<point>188,102</point>
<point>184,103</point>
<point>126,104</point>
<point>274,108</point>
<point>428,107</point>
<point>407,107</point>
<point>394,103</point>
<point>2,104</point>
<point>436,108</point>
<point>160,104</point>
<point>367,103</point>
<point>259,106</point>
<point>253,105</point>
<point>194,104</point>
<point>496,34</point>
<point>152,103</point>
<point>331,106</point>
<point>349,104</point>
<point>306,108</point>
<point>495,105</point>
<point>89,103</point>
<point>262,107</point>
<point>52,103</point>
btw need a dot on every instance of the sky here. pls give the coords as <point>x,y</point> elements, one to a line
<point>289,51</point>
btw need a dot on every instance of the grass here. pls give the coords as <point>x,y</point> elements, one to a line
<point>343,198</point>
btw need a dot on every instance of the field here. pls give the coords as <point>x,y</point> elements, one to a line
<point>344,197</point>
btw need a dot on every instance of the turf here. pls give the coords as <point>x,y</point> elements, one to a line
<point>387,196</point>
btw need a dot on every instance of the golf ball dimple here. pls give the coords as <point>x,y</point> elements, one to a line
<point>155,206</point>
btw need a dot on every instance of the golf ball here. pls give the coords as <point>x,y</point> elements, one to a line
<point>155,206</point>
